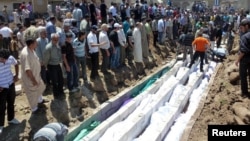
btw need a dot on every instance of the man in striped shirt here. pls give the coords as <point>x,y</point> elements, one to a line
<point>7,87</point>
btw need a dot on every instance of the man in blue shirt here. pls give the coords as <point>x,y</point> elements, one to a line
<point>7,87</point>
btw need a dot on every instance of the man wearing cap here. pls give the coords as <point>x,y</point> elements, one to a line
<point>94,51</point>
<point>114,40</point>
<point>50,27</point>
<point>31,79</point>
<point>244,56</point>
<point>31,32</point>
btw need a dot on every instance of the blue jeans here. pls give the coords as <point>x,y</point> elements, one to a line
<point>160,36</point>
<point>82,61</point>
<point>72,76</point>
<point>115,58</point>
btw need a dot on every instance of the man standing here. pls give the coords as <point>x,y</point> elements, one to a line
<point>138,48</point>
<point>103,9</point>
<point>31,79</point>
<point>244,56</point>
<point>6,33</point>
<point>85,24</point>
<point>7,87</point>
<point>93,14</point>
<point>105,49</point>
<point>187,42</point>
<point>77,14</point>
<point>5,14</point>
<point>94,51</point>
<point>79,45</point>
<point>50,27</point>
<point>52,60</point>
<point>114,40</point>
<point>200,45</point>
<point>69,63</point>
<point>144,38</point>
<point>42,41</point>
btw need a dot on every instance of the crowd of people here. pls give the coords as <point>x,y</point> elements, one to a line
<point>121,33</point>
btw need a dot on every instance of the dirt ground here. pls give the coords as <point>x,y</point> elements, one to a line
<point>224,104</point>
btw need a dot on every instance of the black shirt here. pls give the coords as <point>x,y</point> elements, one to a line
<point>69,51</point>
<point>103,8</point>
<point>113,36</point>
<point>245,44</point>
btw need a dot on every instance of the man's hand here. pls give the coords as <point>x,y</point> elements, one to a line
<point>16,78</point>
<point>68,69</point>
<point>237,63</point>
<point>34,83</point>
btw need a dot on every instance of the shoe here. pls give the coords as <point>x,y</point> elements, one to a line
<point>1,129</point>
<point>14,121</point>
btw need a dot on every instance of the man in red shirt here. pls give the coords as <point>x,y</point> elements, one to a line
<point>200,45</point>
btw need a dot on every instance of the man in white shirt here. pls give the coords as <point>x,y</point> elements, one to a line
<point>105,49</point>
<point>113,10</point>
<point>123,43</point>
<point>161,27</point>
<point>6,33</point>
<point>93,51</point>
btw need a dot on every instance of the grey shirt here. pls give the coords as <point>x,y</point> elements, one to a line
<point>52,55</point>
<point>41,44</point>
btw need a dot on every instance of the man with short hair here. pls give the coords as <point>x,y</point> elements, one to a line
<point>244,56</point>
<point>94,51</point>
<point>77,14</point>
<point>52,60</point>
<point>105,49</point>
<point>80,50</point>
<point>32,82</point>
<point>200,45</point>
<point>7,87</point>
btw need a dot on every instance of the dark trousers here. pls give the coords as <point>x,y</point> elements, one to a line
<point>72,76</point>
<point>94,64</point>
<point>55,74</point>
<point>155,37</point>
<point>244,68</point>
<point>6,43</point>
<point>105,60</point>
<point>7,100</point>
<point>196,55</point>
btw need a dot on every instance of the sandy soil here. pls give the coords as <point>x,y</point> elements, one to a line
<point>79,106</point>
